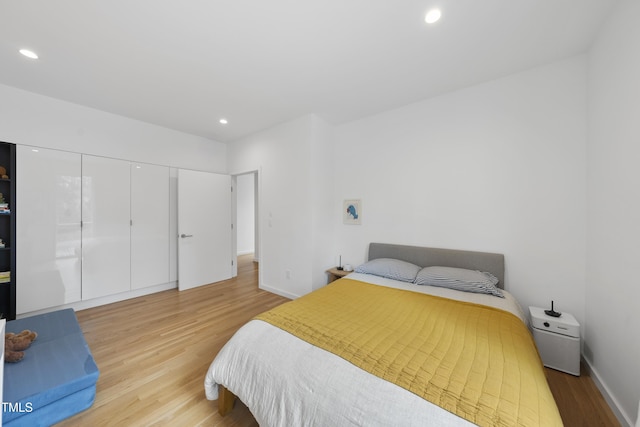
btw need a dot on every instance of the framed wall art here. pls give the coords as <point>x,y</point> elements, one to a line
<point>352,211</point>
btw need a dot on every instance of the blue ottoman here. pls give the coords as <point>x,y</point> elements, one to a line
<point>57,377</point>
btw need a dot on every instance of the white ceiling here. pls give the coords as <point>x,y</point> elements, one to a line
<point>184,64</point>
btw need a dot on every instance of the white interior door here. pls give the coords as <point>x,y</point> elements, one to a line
<point>204,228</point>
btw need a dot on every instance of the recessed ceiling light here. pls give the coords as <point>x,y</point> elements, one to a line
<point>223,121</point>
<point>432,16</point>
<point>29,53</point>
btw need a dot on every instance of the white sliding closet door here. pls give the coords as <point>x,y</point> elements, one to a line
<point>106,240</point>
<point>48,228</point>
<point>149,225</point>
<point>204,224</point>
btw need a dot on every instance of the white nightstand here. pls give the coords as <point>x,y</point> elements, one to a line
<point>558,340</point>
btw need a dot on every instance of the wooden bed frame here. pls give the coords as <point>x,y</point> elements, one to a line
<point>422,256</point>
<point>226,400</point>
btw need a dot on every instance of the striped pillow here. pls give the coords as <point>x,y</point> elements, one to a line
<point>390,268</point>
<point>459,279</point>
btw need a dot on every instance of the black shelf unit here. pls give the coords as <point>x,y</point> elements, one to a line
<point>8,231</point>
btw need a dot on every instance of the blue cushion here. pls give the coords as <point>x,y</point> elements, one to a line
<point>57,376</point>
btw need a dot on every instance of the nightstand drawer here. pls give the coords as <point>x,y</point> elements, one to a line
<point>559,352</point>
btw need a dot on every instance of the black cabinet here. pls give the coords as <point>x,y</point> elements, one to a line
<point>8,231</point>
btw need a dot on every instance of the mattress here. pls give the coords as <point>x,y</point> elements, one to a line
<point>57,376</point>
<point>285,380</point>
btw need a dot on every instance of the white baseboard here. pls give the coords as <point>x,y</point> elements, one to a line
<point>620,414</point>
<point>278,291</point>
<point>83,305</point>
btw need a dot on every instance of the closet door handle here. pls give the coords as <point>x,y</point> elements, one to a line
<point>186,235</point>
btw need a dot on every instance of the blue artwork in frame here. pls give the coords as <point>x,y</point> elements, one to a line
<point>352,211</point>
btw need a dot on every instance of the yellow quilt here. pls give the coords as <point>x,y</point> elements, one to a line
<point>477,362</point>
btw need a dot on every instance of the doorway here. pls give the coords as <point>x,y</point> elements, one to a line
<point>246,229</point>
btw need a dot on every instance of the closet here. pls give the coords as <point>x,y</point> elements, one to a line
<point>89,227</point>
<point>106,229</point>
<point>48,229</point>
<point>150,233</point>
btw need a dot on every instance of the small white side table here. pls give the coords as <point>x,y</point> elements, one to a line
<point>558,340</point>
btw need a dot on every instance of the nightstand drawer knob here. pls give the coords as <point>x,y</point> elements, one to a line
<point>546,324</point>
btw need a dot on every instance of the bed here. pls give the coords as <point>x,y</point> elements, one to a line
<point>376,349</point>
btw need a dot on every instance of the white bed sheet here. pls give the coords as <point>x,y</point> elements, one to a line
<point>285,381</point>
<point>508,303</point>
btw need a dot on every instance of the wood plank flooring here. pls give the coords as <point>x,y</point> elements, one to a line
<point>153,353</point>
<point>579,400</point>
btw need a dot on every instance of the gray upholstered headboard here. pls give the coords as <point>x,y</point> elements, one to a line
<point>426,257</point>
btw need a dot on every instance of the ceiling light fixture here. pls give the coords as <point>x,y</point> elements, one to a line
<point>223,121</point>
<point>29,53</point>
<point>432,16</point>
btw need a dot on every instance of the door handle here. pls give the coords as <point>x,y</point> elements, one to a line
<point>186,235</point>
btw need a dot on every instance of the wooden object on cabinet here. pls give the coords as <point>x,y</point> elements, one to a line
<point>335,274</point>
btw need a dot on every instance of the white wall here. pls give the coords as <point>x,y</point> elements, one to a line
<point>322,213</point>
<point>31,119</point>
<point>245,193</point>
<point>288,193</point>
<point>612,346</point>
<point>497,167</point>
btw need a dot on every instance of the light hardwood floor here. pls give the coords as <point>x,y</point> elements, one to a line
<point>153,353</point>
<point>579,400</point>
